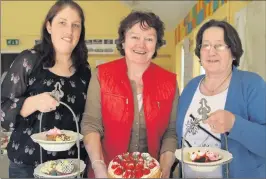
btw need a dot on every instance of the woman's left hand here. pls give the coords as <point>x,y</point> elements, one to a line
<point>221,121</point>
<point>166,172</point>
<point>167,160</point>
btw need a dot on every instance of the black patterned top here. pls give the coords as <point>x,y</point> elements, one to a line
<point>26,78</point>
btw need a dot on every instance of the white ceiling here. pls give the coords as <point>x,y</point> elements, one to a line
<point>170,12</point>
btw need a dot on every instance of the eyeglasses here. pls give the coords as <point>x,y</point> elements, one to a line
<point>217,47</point>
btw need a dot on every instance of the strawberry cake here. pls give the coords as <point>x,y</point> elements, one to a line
<point>134,165</point>
<point>56,135</point>
<point>204,156</point>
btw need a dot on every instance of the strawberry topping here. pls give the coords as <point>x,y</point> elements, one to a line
<point>123,163</point>
<point>151,165</point>
<point>118,171</point>
<point>130,165</point>
<point>138,173</point>
<point>140,165</point>
<point>128,174</point>
<point>133,165</point>
<point>146,171</point>
<point>115,165</point>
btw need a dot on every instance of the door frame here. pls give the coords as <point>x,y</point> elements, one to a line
<point>10,51</point>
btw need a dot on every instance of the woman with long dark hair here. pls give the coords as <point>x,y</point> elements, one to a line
<point>59,64</point>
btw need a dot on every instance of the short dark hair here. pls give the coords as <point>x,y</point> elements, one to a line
<point>231,39</point>
<point>79,55</point>
<point>143,18</point>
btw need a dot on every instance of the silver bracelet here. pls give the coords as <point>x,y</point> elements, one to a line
<point>95,161</point>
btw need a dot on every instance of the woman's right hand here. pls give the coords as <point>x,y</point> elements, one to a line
<point>44,102</point>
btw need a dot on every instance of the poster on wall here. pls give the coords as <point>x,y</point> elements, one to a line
<point>101,46</point>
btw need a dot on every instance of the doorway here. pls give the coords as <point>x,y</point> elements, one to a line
<point>6,61</point>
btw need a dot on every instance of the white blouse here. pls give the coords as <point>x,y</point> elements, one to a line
<point>200,107</point>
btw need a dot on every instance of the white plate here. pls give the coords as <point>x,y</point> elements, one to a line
<point>204,167</point>
<point>38,174</point>
<point>4,135</point>
<point>40,138</point>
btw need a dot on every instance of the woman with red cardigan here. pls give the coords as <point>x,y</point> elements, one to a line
<point>131,101</point>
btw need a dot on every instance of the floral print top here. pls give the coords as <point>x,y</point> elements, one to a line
<point>26,78</point>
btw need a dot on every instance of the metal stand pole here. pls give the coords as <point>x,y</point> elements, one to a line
<point>77,141</point>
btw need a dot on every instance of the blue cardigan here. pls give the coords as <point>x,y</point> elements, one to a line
<point>246,99</point>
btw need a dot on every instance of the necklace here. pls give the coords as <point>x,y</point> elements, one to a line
<point>212,91</point>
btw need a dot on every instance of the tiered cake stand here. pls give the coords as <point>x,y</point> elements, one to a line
<point>183,155</point>
<point>60,146</point>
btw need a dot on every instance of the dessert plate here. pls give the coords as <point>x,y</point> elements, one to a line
<point>226,157</point>
<point>38,174</point>
<point>40,138</point>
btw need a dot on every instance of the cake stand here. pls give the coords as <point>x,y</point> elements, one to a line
<point>207,165</point>
<point>78,173</point>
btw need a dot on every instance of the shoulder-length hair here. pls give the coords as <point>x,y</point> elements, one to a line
<point>45,48</point>
<point>146,20</point>
<point>231,39</point>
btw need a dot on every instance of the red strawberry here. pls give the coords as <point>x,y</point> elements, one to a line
<point>140,165</point>
<point>127,174</point>
<point>140,159</point>
<point>130,166</point>
<point>118,171</point>
<point>123,163</point>
<point>138,173</point>
<point>146,171</point>
<point>207,159</point>
<point>151,165</point>
<point>115,165</point>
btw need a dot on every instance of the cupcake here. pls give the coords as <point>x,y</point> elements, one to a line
<point>64,167</point>
<point>52,134</point>
<point>56,135</point>
<point>49,168</point>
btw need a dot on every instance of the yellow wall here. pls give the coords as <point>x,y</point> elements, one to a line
<point>20,20</point>
<point>101,22</point>
<point>23,19</point>
<point>166,55</point>
<point>234,7</point>
<point>227,11</point>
